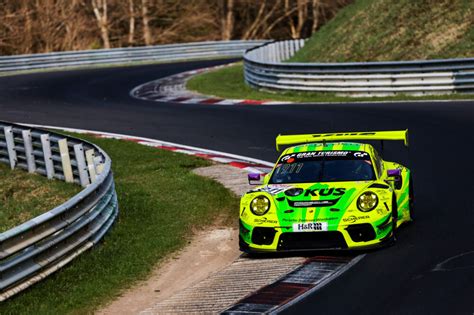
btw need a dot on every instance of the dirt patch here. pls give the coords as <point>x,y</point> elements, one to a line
<point>208,253</point>
<point>232,178</point>
<point>448,35</point>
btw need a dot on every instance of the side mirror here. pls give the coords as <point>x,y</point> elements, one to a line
<point>396,174</point>
<point>255,179</point>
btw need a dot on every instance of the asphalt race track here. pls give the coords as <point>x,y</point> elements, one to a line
<point>431,268</point>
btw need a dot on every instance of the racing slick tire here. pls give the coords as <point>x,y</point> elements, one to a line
<point>411,199</point>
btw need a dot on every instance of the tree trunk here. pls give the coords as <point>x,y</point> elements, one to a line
<point>316,5</point>
<point>227,19</point>
<point>146,23</point>
<point>131,23</point>
<point>100,11</point>
<point>302,15</point>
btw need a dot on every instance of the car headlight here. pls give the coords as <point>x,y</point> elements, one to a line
<point>367,201</point>
<point>260,205</point>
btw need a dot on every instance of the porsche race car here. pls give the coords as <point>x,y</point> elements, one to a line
<point>327,193</point>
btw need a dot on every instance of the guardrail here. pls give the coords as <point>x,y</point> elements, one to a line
<point>159,53</point>
<point>40,246</point>
<point>265,68</point>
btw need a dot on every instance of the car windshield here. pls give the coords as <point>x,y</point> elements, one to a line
<point>323,166</point>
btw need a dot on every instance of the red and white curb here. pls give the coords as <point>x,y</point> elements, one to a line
<point>248,164</point>
<point>312,275</point>
<point>172,89</point>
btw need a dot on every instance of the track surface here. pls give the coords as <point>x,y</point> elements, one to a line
<point>408,278</point>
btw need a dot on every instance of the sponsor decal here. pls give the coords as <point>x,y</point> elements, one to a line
<point>361,154</point>
<point>272,189</point>
<point>353,218</point>
<point>316,155</point>
<point>310,227</point>
<point>299,220</point>
<point>324,192</point>
<point>312,203</point>
<point>345,134</point>
<point>306,155</point>
<point>264,220</point>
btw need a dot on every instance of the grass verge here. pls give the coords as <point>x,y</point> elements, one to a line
<point>380,30</point>
<point>161,201</point>
<point>229,82</point>
<point>24,196</point>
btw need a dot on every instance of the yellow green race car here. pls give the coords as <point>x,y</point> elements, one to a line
<point>326,193</point>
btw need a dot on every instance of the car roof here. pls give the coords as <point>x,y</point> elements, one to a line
<point>329,146</point>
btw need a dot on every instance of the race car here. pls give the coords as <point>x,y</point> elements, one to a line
<point>327,192</point>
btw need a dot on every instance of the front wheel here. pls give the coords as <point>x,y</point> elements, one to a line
<point>394,218</point>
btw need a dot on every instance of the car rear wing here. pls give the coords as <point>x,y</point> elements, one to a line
<point>284,140</point>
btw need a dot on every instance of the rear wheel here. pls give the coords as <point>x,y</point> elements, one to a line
<point>411,199</point>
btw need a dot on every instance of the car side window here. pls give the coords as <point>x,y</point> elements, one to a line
<point>378,163</point>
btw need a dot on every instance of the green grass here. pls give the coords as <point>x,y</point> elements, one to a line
<point>229,82</point>
<point>24,196</point>
<point>380,30</point>
<point>161,202</point>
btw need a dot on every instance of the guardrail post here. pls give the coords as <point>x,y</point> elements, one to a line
<point>286,50</point>
<point>30,159</point>
<point>99,166</point>
<point>81,165</point>
<point>8,132</point>
<point>65,161</point>
<point>91,165</point>
<point>48,161</point>
<point>292,48</point>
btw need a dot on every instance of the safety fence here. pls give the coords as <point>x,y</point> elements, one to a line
<point>266,68</point>
<point>159,53</point>
<point>42,245</point>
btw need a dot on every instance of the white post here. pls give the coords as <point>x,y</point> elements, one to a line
<point>8,132</point>
<point>66,161</point>
<point>90,164</point>
<point>30,159</point>
<point>48,161</point>
<point>81,165</point>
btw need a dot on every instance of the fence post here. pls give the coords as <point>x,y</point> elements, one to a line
<point>65,161</point>
<point>81,165</point>
<point>91,165</point>
<point>30,158</point>
<point>48,161</point>
<point>8,132</point>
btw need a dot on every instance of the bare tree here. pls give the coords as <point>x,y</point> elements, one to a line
<point>227,19</point>
<point>100,11</point>
<point>146,23</point>
<point>296,27</point>
<point>315,10</point>
<point>131,23</point>
<point>30,26</point>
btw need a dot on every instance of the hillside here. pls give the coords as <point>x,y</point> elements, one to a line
<point>378,30</point>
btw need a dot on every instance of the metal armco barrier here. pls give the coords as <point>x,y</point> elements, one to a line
<point>265,68</point>
<point>159,53</point>
<point>35,249</point>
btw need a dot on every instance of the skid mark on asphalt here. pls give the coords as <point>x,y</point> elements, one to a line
<point>461,261</point>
